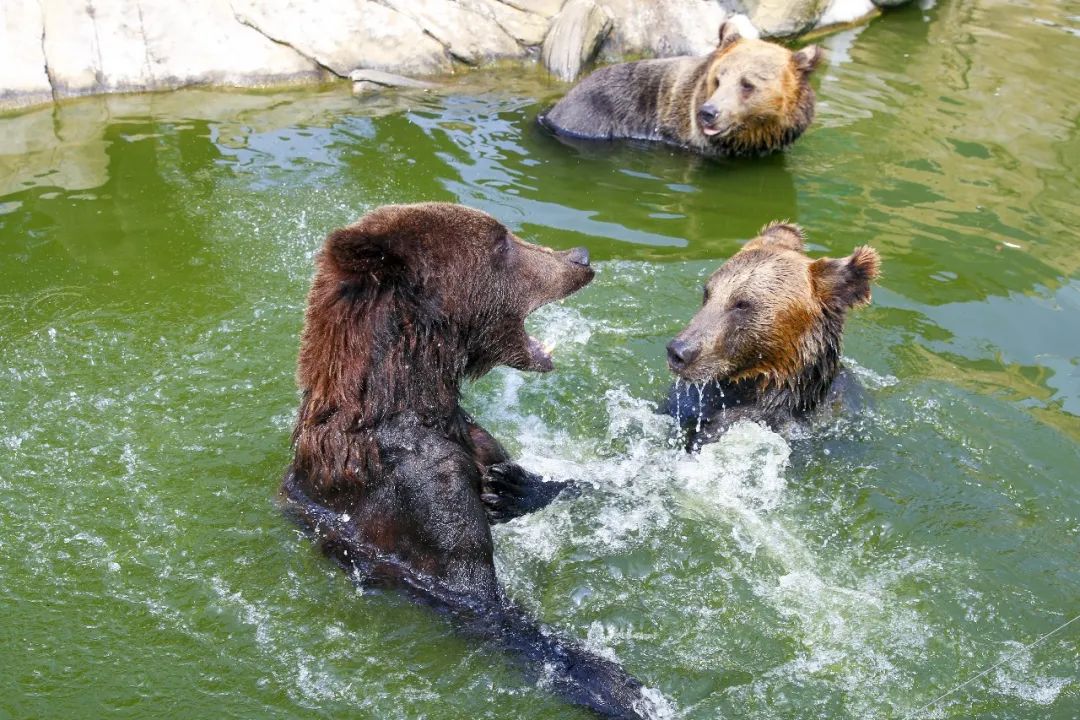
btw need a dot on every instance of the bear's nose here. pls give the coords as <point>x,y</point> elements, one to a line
<point>681,353</point>
<point>578,256</point>
<point>708,113</point>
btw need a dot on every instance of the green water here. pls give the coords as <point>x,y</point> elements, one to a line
<point>154,256</point>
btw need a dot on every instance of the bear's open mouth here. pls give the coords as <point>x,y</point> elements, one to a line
<point>721,129</point>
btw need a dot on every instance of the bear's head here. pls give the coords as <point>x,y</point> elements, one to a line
<point>753,85</point>
<point>429,288</point>
<point>770,312</point>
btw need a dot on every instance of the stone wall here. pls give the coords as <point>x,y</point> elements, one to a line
<point>51,49</point>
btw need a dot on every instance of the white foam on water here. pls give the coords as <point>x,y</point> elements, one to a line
<point>853,630</point>
<point>869,378</point>
<point>849,622</point>
<point>562,325</point>
<point>655,705</point>
<point>1015,678</point>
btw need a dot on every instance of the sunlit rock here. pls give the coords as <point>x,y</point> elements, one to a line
<point>845,12</point>
<point>527,28</point>
<point>344,35</point>
<point>777,18</point>
<point>368,80</point>
<point>23,76</point>
<point>467,36</point>
<point>662,29</point>
<point>544,8</point>
<point>574,38</point>
<point>158,45</point>
<point>52,49</point>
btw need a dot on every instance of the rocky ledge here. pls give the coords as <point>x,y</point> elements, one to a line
<point>52,49</point>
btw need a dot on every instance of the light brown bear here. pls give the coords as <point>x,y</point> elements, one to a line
<point>747,97</point>
<point>765,345</point>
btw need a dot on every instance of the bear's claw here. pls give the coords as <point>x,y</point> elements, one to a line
<point>509,491</point>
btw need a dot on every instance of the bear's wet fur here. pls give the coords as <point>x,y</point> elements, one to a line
<point>747,97</point>
<point>396,482</point>
<point>765,345</point>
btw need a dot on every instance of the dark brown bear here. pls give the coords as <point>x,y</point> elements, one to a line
<point>395,480</point>
<point>765,345</point>
<point>747,97</point>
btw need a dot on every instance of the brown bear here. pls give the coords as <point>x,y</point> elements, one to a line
<point>748,97</point>
<point>765,345</point>
<point>398,484</point>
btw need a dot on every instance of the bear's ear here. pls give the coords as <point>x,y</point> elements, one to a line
<point>845,283</point>
<point>779,233</point>
<point>729,33</point>
<point>807,59</point>
<point>366,249</point>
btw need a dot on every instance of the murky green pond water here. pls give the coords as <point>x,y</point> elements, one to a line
<point>155,255</point>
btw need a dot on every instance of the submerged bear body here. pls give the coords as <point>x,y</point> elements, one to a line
<point>748,97</point>
<point>765,345</point>
<point>396,481</point>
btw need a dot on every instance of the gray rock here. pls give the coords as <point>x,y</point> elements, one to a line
<point>780,18</point>
<point>158,44</point>
<point>59,48</point>
<point>528,28</point>
<point>23,77</point>
<point>662,28</point>
<point>468,36</point>
<point>574,38</point>
<point>846,12</point>
<point>367,80</point>
<point>544,8</point>
<point>343,35</point>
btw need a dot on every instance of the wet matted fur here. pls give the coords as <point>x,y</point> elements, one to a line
<point>396,482</point>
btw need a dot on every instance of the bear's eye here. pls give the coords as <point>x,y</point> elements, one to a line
<point>747,86</point>
<point>705,296</point>
<point>741,305</point>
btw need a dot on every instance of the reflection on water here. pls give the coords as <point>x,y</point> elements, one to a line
<point>157,249</point>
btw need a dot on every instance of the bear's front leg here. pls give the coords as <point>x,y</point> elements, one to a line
<point>509,491</point>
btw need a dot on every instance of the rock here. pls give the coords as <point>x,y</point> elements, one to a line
<point>528,28</point>
<point>343,35</point>
<point>59,48</point>
<point>367,80</point>
<point>112,47</point>
<point>470,37</point>
<point>845,12</point>
<point>544,8</point>
<point>574,38</point>
<point>662,28</point>
<point>780,18</point>
<point>23,76</point>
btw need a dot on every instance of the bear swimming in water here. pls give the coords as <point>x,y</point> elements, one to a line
<point>398,484</point>
<point>747,97</point>
<point>765,345</point>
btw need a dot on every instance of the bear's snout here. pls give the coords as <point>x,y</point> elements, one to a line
<point>708,114</point>
<point>681,353</point>
<point>578,256</point>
